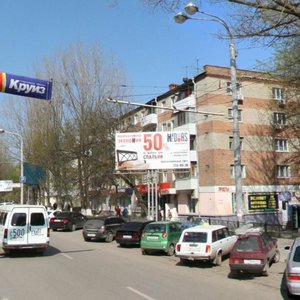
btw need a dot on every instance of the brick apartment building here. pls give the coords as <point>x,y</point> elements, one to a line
<point>270,182</point>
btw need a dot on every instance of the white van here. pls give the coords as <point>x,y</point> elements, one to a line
<point>24,227</point>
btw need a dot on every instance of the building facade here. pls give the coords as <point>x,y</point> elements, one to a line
<point>269,178</point>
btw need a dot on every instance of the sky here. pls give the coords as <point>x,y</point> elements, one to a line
<point>153,50</point>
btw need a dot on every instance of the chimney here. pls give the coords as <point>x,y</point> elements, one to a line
<point>172,86</point>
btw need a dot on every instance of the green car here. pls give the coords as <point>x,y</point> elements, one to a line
<point>160,236</point>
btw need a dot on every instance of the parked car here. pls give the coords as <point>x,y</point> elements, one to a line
<point>206,243</point>
<point>102,228</point>
<point>130,233</point>
<point>292,270</point>
<point>160,236</point>
<point>52,214</point>
<point>67,220</point>
<point>254,252</point>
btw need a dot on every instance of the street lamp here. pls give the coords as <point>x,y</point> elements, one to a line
<point>21,161</point>
<point>180,18</point>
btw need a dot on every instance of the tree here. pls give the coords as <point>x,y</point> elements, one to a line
<point>73,135</point>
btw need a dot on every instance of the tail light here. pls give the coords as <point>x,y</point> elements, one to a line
<point>164,235</point>
<point>293,276</point>
<point>5,233</point>
<point>65,221</point>
<point>178,247</point>
<point>51,220</point>
<point>102,229</point>
<point>234,261</point>
<point>207,249</point>
<point>143,234</point>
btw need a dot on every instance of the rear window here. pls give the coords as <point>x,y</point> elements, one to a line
<point>64,215</point>
<point>195,237</point>
<point>18,219</point>
<point>156,228</point>
<point>37,219</point>
<point>247,244</point>
<point>95,222</point>
<point>132,226</point>
<point>296,257</point>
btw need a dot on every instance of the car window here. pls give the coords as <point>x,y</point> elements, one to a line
<point>265,239</point>
<point>173,228</point>
<point>296,256</point>
<point>95,222</point>
<point>3,216</point>
<point>214,236</point>
<point>226,232</point>
<point>155,228</point>
<point>247,244</point>
<point>132,226</point>
<point>195,237</point>
<point>37,219</point>
<point>18,219</point>
<point>221,234</point>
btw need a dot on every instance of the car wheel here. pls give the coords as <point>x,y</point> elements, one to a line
<point>218,259</point>
<point>144,252</point>
<point>233,273</point>
<point>109,237</point>
<point>266,270</point>
<point>54,229</point>
<point>183,261</point>
<point>276,257</point>
<point>171,250</point>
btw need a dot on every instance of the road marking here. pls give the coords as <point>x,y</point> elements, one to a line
<point>67,256</point>
<point>139,293</point>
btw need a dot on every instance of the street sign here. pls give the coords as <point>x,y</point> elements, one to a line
<point>22,179</point>
<point>6,185</point>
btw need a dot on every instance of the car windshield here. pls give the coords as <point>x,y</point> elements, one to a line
<point>247,244</point>
<point>156,228</point>
<point>132,226</point>
<point>296,257</point>
<point>95,222</point>
<point>195,237</point>
<point>64,215</point>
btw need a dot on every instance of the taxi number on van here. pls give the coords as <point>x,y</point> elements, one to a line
<point>17,233</point>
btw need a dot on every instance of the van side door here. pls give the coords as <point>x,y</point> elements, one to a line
<point>37,226</point>
<point>17,226</point>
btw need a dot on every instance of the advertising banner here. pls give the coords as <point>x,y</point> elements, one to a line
<point>24,86</point>
<point>152,150</point>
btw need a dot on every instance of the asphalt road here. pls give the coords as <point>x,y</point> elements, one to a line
<point>74,269</point>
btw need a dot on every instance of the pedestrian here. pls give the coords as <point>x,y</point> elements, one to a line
<point>118,211</point>
<point>169,214</point>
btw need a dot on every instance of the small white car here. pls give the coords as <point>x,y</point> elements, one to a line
<point>205,242</point>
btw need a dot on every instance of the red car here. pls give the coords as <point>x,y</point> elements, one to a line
<point>253,252</point>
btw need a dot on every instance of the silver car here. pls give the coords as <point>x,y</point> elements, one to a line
<point>292,271</point>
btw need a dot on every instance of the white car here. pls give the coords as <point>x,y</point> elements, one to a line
<point>205,242</point>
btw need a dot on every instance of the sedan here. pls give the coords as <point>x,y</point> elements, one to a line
<point>292,271</point>
<point>130,233</point>
<point>253,252</point>
<point>67,220</point>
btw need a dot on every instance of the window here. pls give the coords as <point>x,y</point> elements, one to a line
<point>230,114</point>
<point>232,173</point>
<point>193,143</point>
<point>3,216</point>
<point>278,93</point>
<point>281,145</point>
<point>163,104</point>
<point>18,219</point>
<point>283,171</point>
<point>280,118</point>
<point>181,118</point>
<point>231,142</point>
<point>192,205</point>
<point>229,89</point>
<point>195,237</point>
<point>37,219</point>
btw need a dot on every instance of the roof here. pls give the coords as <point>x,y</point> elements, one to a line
<point>205,228</point>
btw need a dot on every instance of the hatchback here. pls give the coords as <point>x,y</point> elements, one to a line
<point>102,228</point>
<point>254,252</point>
<point>292,270</point>
<point>130,233</point>
<point>160,236</point>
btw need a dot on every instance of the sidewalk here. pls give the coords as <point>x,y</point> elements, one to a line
<point>283,242</point>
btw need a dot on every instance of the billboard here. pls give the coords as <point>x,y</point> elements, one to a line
<point>24,86</point>
<point>152,150</point>
<point>263,202</point>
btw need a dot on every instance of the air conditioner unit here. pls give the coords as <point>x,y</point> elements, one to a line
<point>240,98</point>
<point>281,103</point>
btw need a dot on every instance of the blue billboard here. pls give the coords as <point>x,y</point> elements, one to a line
<point>24,86</point>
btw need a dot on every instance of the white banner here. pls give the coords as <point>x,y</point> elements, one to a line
<point>6,185</point>
<point>153,150</point>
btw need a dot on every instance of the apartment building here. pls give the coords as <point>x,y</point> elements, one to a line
<point>270,180</point>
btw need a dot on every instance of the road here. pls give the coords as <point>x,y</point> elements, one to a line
<point>74,269</point>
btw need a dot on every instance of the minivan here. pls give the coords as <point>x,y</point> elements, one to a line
<point>24,227</point>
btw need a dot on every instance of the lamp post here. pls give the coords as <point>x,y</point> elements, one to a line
<point>181,18</point>
<point>21,161</point>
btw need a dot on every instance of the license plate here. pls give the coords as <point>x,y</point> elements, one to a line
<point>152,238</point>
<point>126,236</point>
<point>251,261</point>
<point>91,234</point>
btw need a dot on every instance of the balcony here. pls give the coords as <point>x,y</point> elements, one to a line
<point>186,103</point>
<point>190,183</point>
<point>148,120</point>
<point>193,155</point>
